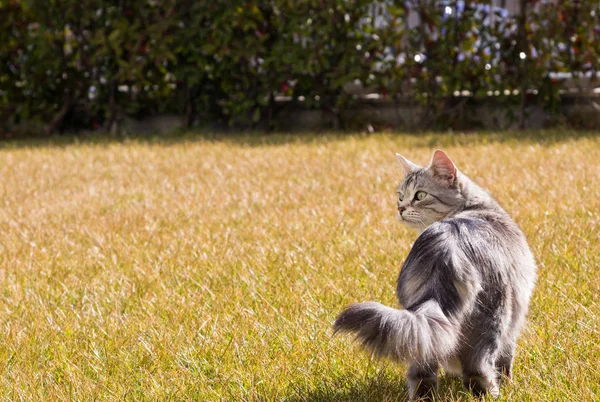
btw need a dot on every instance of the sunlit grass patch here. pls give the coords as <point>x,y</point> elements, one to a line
<point>206,268</point>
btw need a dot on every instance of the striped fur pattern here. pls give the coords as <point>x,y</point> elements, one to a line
<point>465,285</point>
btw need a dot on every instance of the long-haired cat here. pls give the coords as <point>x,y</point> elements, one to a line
<point>465,285</point>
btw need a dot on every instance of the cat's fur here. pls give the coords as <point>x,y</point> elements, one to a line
<point>465,285</point>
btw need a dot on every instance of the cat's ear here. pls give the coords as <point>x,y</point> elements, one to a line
<point>442,167</point>
<point>407,165</point>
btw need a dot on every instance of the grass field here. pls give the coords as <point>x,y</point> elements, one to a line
<point>191,268</point>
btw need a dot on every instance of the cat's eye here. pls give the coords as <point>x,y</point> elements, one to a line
<point>400,196</point>
<point>420,195</point>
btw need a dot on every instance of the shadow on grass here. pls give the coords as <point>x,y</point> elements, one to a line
<point>255,139</point>
<point>348,388</point>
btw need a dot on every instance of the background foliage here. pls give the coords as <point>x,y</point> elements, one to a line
<point>89,63</point>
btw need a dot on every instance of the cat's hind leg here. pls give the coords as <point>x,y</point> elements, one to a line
<point>479,370</point>
<point>504,362</point>
<point>422,381</point>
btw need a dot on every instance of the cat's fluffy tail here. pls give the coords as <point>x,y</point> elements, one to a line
<point>422,334</point>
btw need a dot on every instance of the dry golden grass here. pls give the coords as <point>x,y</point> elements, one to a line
<point>197,269</point>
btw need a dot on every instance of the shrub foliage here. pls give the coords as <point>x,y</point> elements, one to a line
<point>89,63</point>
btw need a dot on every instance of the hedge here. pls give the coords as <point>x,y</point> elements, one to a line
<point>89,63</point>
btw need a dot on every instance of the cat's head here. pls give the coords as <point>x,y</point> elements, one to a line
<point>429,194</point>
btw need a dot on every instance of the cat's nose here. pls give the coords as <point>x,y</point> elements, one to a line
<point>401,209</point>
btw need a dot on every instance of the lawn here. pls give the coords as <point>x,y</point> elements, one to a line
<point>211,268</point>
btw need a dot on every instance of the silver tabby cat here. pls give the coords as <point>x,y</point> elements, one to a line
<point>465,285</point>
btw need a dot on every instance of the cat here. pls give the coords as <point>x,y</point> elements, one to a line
<point>465,285</point>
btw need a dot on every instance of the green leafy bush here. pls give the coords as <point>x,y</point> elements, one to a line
<point>90,63</point>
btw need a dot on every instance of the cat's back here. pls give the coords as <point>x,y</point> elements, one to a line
<point>476,250</point>
<point>488,239</point>
<point>477,235</point>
